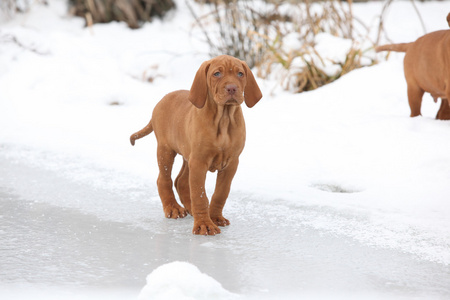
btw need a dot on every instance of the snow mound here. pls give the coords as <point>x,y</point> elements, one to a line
<point>182,280</point>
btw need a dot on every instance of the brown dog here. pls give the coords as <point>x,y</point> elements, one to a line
<point>427,69</point>
<point>206,126</point>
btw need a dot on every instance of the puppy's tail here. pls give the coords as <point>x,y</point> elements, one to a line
<point>394,47</point>
<point>141,133</point>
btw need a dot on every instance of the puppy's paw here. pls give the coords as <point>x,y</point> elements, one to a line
<point>220,221</point>
<point>175,212</point>
<point>205,228</point>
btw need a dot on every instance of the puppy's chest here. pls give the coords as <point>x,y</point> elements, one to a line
<point>221,160</point>
<point>226,149</point>
<point>226,138</point>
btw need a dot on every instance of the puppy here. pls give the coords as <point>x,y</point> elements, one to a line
<point>205,125</point>
<point>427,69</point>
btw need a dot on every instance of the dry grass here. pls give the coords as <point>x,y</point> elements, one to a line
<point>233,20</point>
<point>260,33</point>
<point>133,12</point>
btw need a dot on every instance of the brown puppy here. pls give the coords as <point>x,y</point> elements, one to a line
<point>427,69</point>
<point>206,126</point>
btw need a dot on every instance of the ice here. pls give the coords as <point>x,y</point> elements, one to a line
<point>92,240</point>
<point>339,194</point>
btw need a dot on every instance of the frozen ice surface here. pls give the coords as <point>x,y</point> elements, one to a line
<point>60,233</point>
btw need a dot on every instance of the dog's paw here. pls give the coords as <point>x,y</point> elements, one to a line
<point>220,221</point>
<point>205,228</point>
<point>175,212</point>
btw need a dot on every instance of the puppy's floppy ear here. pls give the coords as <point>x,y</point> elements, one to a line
<point>199,88</point>
<point>252,93</point>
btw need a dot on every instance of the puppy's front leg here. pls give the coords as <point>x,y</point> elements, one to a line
<point>199,200</point>
<point>223,185</point>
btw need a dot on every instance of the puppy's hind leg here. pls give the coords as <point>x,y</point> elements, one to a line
<point>182,186</point>
<point>415,94</point>
<point>444,110</point>
<point>170,206</point>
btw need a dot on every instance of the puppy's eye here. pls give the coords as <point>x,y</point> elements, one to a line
<point>217,74</point>
<point>240,74</point>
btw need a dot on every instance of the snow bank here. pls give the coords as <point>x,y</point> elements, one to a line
<point>183,281</point>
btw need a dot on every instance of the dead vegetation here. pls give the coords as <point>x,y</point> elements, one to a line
<point>132,12</point>
<point>283,39</point>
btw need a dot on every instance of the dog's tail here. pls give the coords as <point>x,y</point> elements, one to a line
<point>141,133</point>
<point>394,47</point>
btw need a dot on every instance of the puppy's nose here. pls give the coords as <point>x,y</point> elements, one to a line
<point>231,89</point>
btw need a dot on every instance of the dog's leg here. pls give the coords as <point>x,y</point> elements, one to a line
<point>441,109</point>
<point>199,201</point>
<point>415,94</point>
<point>182,186</point>
<point>444,110</point>
<point>170,206</point>
<point>221,193</point>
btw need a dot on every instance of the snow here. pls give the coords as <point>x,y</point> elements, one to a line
<point>340,168</point>
<point>182,280</point>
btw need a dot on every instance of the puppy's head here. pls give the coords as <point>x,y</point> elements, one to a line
<point>226,80</point>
